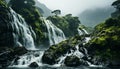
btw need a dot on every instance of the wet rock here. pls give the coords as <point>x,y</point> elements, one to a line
<point>72,61</point>
<point>49,56</point>
<point>33,64</point>
<point>7,55</point>
<point>56,51</point>
<point>19,51</point>
<point>6,30</point>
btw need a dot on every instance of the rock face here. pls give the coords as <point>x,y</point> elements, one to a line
<point>72,61</point>
<point>6,31</point>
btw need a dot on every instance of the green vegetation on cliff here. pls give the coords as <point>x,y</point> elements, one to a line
<point>68,24</point>
<point>106,40</point>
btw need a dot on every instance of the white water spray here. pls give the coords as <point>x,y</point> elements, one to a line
<point>22,33</point>
<point>55,34</point>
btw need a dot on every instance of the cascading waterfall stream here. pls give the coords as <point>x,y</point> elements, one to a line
<point>22,33</point>
<point>75,53</point>
<point>55,34</point>
<point>28,58</point>
<point>82,31</point>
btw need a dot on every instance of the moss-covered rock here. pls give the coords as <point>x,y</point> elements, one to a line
<point>56,51</point>
<point>72,61</point>
<point>68,24</point>
<point>106,41</point>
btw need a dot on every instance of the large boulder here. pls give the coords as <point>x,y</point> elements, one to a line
<point>72,61</point>
<point>33,65</point>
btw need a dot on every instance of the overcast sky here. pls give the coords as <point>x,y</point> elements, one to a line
<point>75,6</point>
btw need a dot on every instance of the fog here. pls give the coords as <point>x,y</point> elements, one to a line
<point>75,7</point>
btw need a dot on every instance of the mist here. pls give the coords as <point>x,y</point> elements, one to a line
<point>76,7</point>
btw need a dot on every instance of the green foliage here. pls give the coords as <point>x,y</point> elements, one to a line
<point>56,12</point>
<point>106,40</point>
<point>116,14</point>
<point>3,3</point>
<point>116,4</point>
<point>68,24</point>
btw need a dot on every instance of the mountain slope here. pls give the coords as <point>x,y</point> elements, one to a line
<point>43,9</point>
<point>92,17</point>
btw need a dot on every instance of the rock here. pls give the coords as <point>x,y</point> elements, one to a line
<point>113,64</point>
<point>58,50</point>
<point>49,56</point>
<point>72,61</point>
<point>6,30</point>
<point>7,55</point>
<point>19,51</point>
<point>34,64</point>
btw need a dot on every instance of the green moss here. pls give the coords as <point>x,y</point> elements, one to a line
<point>106,40</point>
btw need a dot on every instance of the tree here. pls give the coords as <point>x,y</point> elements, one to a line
<point>116,4</point>
<point>56,12</point>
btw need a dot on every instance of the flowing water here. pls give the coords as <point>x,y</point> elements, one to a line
<point>55,34</point>
<point>28,58</point>
<point>22,33</point>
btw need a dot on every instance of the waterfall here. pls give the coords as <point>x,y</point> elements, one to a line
<point>55,34</point>
<point>82,31</point>
<point>28,58</point>
<point>22,34</point>
<point>72,52</point>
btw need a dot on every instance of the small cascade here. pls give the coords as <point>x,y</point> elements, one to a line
<point>55,34</point>
<point>28,58</point>
<point>22,33</point>
<point>82,31</point>
<point>72,52</point>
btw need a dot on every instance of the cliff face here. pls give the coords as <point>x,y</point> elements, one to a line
<point>6,31</point>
